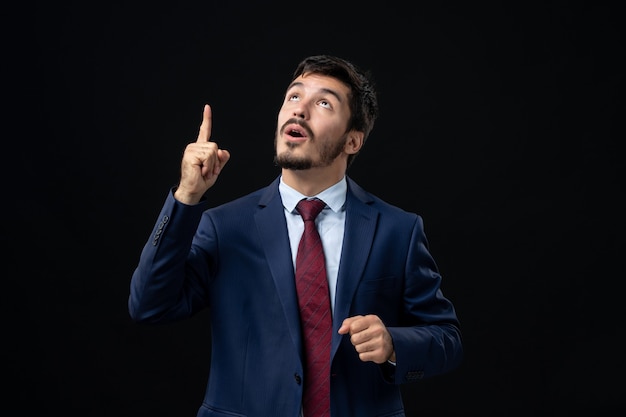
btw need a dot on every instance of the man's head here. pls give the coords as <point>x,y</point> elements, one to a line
<point>329,111</point>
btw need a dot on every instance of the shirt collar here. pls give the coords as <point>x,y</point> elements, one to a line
<point>334,196</point>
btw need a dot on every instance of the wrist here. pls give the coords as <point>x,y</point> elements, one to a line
<point>186,197</point>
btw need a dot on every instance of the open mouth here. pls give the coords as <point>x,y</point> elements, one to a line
<point>296,129</point>
<point>296,132</point>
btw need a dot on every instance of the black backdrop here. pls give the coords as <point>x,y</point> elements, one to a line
<point>498,125</point>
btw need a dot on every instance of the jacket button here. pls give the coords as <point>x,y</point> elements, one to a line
<point>297,378</point>
<point>414,375</point>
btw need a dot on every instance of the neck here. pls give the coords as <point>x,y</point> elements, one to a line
<point>312,181</point>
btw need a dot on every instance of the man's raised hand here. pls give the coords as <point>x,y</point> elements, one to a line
<point>201,164</point>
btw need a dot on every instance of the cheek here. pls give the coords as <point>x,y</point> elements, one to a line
<point>283,116</point>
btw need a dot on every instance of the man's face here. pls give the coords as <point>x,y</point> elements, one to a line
<point>312,123</point>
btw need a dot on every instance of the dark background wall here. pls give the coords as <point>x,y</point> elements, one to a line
<point>499,125</point>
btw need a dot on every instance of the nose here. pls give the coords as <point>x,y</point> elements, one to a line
<point>300,110</point>
<point>299,113</point>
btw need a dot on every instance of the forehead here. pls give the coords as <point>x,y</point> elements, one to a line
<point>318,83</point>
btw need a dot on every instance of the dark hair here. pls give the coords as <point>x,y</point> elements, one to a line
<point>363,100</point>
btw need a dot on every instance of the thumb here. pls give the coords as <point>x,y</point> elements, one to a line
<point>345,326</point>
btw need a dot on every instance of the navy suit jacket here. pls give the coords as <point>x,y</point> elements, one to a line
<point>235,260</point>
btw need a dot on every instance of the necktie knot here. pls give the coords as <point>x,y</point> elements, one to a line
<point>309,209</point>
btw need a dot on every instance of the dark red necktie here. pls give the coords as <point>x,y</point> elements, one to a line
<point>315,313</point>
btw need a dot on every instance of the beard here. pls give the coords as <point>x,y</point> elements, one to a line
<point>327,154</point>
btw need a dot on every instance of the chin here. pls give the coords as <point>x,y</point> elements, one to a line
<point>287,161</point>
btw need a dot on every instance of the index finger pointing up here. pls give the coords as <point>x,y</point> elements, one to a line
<point>205,127</point>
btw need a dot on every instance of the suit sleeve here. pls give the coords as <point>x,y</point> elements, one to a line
<point>430,344</point>
<point>166,284</point>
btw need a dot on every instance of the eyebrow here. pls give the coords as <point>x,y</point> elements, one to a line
<point>323,90</point>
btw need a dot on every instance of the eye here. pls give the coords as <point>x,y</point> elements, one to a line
<point>293,97</point>
<point>325,104</point>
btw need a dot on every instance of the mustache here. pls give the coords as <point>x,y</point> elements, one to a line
<point>298,122</point>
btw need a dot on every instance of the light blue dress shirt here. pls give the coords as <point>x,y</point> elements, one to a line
<point>330,225</point>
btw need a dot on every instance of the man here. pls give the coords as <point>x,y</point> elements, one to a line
<point>391,323</point>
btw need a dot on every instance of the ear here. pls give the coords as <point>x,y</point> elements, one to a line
<point>354,142</point>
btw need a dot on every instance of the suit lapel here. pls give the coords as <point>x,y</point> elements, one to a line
<point>360,226</point>
<point>272,227</point>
